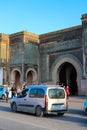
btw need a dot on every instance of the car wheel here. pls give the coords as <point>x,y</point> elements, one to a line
<point>3,97</point>
<point>14,107</point>
<point>39,111</point>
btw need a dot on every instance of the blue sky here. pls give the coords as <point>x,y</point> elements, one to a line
<point>40,16</point>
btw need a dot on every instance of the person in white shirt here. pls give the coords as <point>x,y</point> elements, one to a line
<point>7,92</point>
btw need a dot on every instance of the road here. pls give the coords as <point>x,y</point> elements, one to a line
<point>74,118</point>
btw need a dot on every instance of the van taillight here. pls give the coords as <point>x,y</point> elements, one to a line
<point>46,101</point>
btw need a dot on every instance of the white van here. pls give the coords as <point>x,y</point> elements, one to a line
<point>41,99</point>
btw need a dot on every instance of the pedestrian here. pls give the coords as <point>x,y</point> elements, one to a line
<point>19,89</point>
<point>14,91</point>
<point>62,85</point>
<point>7,92</point>
<point>25,86</point>
<point>68,91</point>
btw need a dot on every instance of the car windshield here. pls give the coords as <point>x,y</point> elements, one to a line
<point>56,93</point>
<point>1,89</point>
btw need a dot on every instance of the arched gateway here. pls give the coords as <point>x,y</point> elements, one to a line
<point>67,69</point>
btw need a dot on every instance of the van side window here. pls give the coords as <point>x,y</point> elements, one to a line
<point>40,93</point>
<point>36,93</point>
<point>22,94</point>
<point>32,92</point>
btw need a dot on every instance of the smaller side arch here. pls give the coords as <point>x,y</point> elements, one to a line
<point>31,76</point>
<point>15,77</point>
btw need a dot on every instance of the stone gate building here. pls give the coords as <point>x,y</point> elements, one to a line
<point>55,57</point>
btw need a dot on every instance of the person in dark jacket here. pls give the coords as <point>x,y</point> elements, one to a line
<point>14,91</point>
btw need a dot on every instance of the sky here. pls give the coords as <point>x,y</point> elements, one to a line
<point>40,16</point>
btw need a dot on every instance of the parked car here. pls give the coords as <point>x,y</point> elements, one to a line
<point>3,92</point>
<point>85,107</point>
<point>41,99</point>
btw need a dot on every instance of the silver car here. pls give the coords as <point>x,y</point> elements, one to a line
<point>41,99</point>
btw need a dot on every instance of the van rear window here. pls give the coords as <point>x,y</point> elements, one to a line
<point>56,93</point>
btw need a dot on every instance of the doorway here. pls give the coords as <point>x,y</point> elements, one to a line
<point>30,77</point>
<point>68,76</point>
<point>15,77</point>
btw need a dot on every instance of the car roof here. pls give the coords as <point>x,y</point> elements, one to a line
<point>46,86</point>
<point>2,86</point>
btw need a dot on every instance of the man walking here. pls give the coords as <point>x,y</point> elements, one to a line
<point>7,92</point>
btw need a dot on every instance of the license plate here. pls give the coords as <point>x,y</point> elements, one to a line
<point>56,107</point>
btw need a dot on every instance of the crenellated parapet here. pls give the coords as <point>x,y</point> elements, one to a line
<point>23,37</point>
<point>62,35</point>
<point>30,37</point>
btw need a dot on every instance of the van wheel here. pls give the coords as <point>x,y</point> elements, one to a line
<point>3,97</point>
<point>60,114</point>
<point>38,111</point>
<point>86,111</point>
<point>14,107</point>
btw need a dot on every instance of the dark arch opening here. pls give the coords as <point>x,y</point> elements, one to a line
<point>30,77</point>
<point>17,78</point>
<point>68,76</point>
